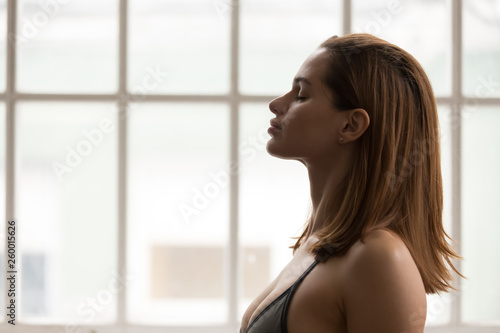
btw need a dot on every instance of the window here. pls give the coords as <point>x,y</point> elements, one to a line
<point>132,141</point>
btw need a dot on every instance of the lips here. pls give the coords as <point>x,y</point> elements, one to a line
<point>275,124</point>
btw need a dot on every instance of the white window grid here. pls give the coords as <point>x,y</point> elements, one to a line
<point>233,98</point>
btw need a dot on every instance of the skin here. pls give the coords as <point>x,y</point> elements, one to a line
<point>376,287</point>
<point>316,133</point>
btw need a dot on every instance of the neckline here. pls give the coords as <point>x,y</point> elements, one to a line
<point>261,313</point>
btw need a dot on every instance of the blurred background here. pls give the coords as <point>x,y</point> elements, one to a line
<point>136,131</point>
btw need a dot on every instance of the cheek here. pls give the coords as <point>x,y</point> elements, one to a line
<point>308,130</point>
<point>310,135</point>
<point>310,127</point>
<point>317,140</point>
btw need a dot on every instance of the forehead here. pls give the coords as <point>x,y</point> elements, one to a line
<point>313,66</point>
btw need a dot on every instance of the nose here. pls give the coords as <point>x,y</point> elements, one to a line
<point>276,105</point>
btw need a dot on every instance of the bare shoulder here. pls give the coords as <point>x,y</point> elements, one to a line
<point>380,247</point>
<point>383,289</point>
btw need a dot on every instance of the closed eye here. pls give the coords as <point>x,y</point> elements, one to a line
<point>300,98</point>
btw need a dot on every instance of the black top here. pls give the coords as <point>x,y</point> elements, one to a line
<point>273,318</point>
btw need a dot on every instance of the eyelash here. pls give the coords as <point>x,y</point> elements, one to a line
<point>298,98</point>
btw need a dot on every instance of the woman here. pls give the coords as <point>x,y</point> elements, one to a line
<point>361,116</point>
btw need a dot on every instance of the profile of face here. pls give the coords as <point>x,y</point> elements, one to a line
<point>307,126</point>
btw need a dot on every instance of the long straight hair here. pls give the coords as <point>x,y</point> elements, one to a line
<point>395,181</point>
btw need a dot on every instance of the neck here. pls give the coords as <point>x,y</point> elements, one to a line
<point>325,180</point>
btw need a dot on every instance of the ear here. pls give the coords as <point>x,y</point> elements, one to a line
<point>356,122</point>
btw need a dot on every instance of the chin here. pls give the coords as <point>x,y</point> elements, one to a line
<point>275,151</point>
<point>272,149</point>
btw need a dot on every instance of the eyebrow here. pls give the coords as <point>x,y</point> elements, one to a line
<point>301,79</point>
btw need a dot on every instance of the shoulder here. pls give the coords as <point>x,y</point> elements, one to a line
<point>383,290</point>
<point>380,249</point>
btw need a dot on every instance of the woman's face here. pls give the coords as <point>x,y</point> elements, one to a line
<point>309,126</point>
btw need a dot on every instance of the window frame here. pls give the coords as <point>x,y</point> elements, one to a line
<point>234,99</point>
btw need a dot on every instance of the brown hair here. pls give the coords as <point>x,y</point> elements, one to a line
<point>395,180</point>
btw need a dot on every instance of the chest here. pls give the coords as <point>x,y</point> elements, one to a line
<point>316,305</point>
<point>303,299</point>
<point>277,293</point>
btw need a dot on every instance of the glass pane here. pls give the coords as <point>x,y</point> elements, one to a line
<point>266,224</point>
<point>67,46</point>
<point>2,203</point>
<point>480,214</point>
<point>277,36</point>
<point>446,123</point>
<point>481,47</point>
<point>178,204</point>
<point>401,23</point>
<point>439,306</point>
<point>3,44</point>
<point>186,43</point>
<point>67,212</point>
